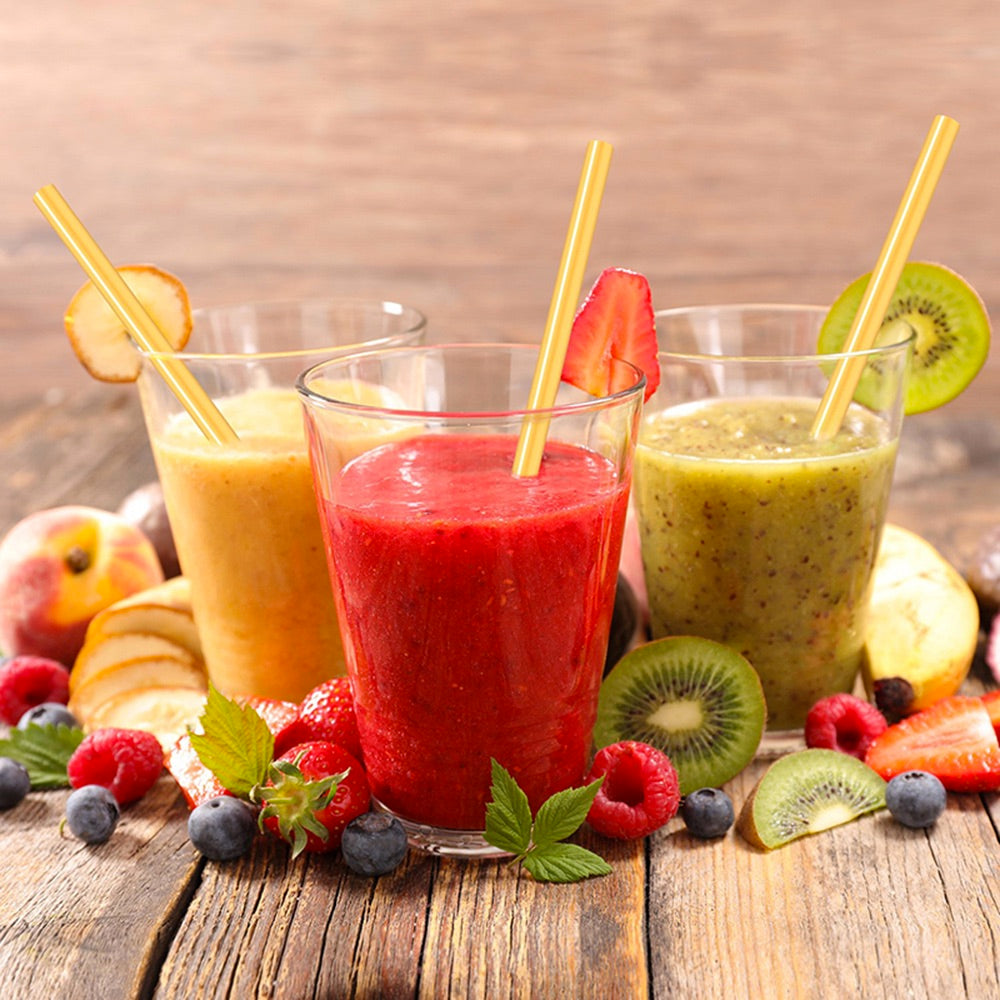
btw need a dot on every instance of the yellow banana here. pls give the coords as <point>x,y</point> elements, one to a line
<point>923,626</point>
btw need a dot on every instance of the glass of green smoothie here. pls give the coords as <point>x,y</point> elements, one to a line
<point>754,533</point>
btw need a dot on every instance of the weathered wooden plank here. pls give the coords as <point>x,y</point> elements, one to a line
<point>91,922</point>
<point>867,909</point>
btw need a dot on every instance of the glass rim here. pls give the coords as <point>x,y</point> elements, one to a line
<point>365,410</point>
<point>777,307</point>
<point>416,322</point>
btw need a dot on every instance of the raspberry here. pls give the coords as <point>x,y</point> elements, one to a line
<point>640,792</point>
<point>26,681</point>
<point>127,762</point>
<point>845,723</point>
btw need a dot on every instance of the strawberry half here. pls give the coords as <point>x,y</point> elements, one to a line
<point>195,780</point>
<point>992,702</point>
<point>615,322</point>
<point>954,739</point>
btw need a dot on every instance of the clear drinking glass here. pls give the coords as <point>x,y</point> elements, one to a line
<point>244,515</point>
<point>752,532</point>
<point>475,605</point>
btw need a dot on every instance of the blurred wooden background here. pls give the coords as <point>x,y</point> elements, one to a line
<point>430,153</point>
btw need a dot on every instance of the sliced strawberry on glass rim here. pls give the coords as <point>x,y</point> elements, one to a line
<point>615,322</point>
<point>954,740</point>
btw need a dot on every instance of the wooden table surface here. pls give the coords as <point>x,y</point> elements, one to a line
<point>409,151</point>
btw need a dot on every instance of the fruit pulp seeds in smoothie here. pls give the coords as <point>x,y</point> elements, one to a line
<point>249,539</point>
<point>475,608</point>
<point>757,536</point>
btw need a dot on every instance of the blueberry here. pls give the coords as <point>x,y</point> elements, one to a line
<point>48,713</point>
<point>222,828</point>
<point>14,782</point>
<point>374,843</point>
<point>915,798</point>
<point>92,814</point>
<point>707,813</point>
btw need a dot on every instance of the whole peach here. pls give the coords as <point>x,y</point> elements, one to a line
<point>58,568</point>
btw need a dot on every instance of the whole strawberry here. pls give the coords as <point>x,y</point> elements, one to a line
<point>313,791</point>
<point>326,713</point>
<point>127,762</point>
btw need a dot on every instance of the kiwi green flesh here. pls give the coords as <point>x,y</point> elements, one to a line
<point>698,701</point>
<point>949,324</point>
<point>807,792</point>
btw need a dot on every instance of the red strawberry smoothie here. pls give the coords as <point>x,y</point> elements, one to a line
<point>476,608</point>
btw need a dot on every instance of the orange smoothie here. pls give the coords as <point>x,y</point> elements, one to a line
<point>248,537</point>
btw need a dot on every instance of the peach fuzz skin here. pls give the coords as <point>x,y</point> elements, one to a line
<point>60,567</point>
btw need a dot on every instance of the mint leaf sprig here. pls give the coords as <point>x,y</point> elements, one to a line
<point>537,845</point>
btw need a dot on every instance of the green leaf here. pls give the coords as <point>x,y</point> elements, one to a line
<point>235,744</point>
<point>508,815</point>
<point>44,751</point>
<point>564,863</point>
<point>562,813</point>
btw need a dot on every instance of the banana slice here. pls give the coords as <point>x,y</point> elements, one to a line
<point>923,626</point>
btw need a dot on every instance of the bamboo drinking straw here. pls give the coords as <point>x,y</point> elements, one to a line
<point>885,276</point>
<point>555,339</point>
<point>129,310</point>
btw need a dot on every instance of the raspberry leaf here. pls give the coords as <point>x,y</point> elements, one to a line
<point>509,827</point>
<point>560,815</point>
<point>564,863</point>
<point>44,751</point>
<point>235,744</point>
<point>508,815</point>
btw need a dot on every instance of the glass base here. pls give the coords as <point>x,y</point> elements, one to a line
<point>442,841</point>
<point>778,742</point>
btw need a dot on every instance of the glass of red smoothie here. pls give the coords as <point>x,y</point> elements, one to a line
<point>753,532</point>
<point>474,605</point>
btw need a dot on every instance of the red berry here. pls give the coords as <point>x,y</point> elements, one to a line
<point>326,713</point>
<point>27,681</point>
<point>954,740</point>
<point>615,322</point>
<point>315,790</point>
<point>640,792</point>
<point>127,762</point>
<point>196,781</point>
<point>845,723</point>
<point>992,702</point>
<point>280,717</point>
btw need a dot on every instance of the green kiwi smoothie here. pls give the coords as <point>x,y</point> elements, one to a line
<point>758,536</point>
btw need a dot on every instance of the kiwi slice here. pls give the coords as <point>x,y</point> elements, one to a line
<point>949,322</point>
<point>807,792</point>
<point>698,701</point>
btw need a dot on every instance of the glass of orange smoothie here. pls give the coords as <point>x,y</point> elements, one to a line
<point>753,532</point>
<point>244,515</point>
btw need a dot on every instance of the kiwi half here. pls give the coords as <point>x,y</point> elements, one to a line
<point>947,318</point>
<point>807,792</point>
<point>698,701</point>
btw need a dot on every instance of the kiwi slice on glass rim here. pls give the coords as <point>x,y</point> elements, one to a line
<point>698,701</point>
<point>807,792</point>
<point>947,318</point>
